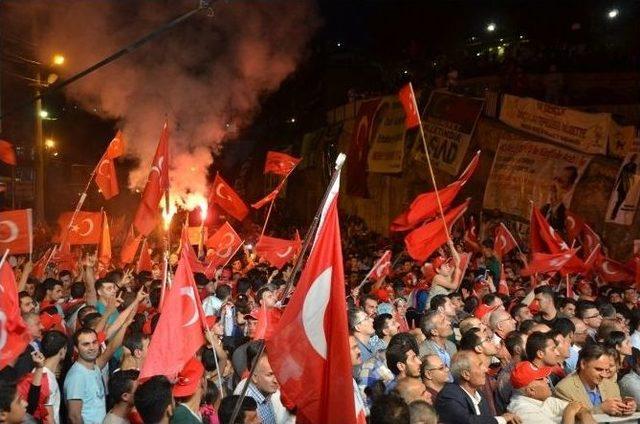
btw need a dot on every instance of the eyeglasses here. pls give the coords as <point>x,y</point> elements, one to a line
<point>595,316</point>
<point>443,367</point>
<point>363,320</point>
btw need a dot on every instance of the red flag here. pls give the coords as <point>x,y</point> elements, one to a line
<point>104,249</point>
<point>106,178</point>
<point>545,239</point>
<point>382,267</point>
<point>504,241</point>
<point>410,106</point>
<point>268,319</point>
<point>424,240</point>
<point>309,350</point>
<point>637,274</point>
<point>185,244</point>
<point>129,247</point>
<point>425,206</point>
<point>503,287</point>
<point>16,231</point>
<point>279,163</point>
<point>614,272</point>
<point>14,336</point>
<point>7,154</point>
<point>359,148</point>
<point>277,251</point>
<point>144,260</point>
<point>223,195</point>
<point>116,146</point>
<point>573,225</point>
<point>269,197</point>
<point>224,242</point>
<point>589,239</point>
<point>158,181</point>
<point>594,257</point>
<point>178,335</point>
<point>85,228</point>
<point>471,230</point>
<point>548,262</point>
<point>39,266</point>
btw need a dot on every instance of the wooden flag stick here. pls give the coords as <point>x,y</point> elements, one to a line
<point>426,153</point>
<point>264,227</point>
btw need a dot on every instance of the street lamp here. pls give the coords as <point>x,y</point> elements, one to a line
<point>49,143</point>
<point>58,60</point>
<point>613,13</point>
<point>491,27</point>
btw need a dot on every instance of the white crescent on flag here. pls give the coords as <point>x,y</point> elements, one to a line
<point>226,246</point>
<point>502,243</point>
<point>157,168</point>
<point>219,192</point>
<point>571,223</point>
<point>89,227</point>
<point>606,269</point>
<point>313,311</point>
<point>188,293</point>
<point>286,252</point>
<point>13,231</point>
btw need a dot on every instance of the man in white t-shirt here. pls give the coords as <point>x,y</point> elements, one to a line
<point>54,349</point>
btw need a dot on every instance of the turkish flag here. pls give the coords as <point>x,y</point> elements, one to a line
<point>382,268</point>
<point>179,334</point>
<point>548,262</point>
<point>85,228</point>
<point>268,319</point>
<point>106,178</point>
<point>224,243</point>
<point>471,232</point>
<point>504,241</point>
<point>309,349</point>
<point>223,195</point>
<point>503,287</point>
<point>279,163</point>
<point>185,243</point>
<point>116,146</point>
<point>277,251</point>
<point>16,231</point>
<point>130,247</point>
<point>410,106</point>
<point>359,148</point>
<point>104,249</point>
<point>157,183</point>
<point>14,336</point>
<point>144,260</point>
<point>594,257</point>
<point>425,206</point>
<point>7,154</point>
<point>573,225</point>
<point>614,272</point>
<point>544,239</point>
<point>424,240</point>
<point>269,197</point>
<point>39,266</point>
<point>589,239</point>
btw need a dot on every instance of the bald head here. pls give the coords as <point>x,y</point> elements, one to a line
<point>411,389</point>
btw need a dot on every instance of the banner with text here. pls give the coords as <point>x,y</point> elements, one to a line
<point>586,132</point>
<point>525,170</point>
<point>623,202</point>
<point>448,124</point>
<point>387,147</point>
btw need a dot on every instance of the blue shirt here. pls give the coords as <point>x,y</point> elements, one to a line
<point>594,396</point>
<point>265,409</point>
<point>87,385</point>
<point>365,350</point>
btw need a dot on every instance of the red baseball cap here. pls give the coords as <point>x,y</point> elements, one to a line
<point>525,372</point>
<point>483,310</point>
<point>188,379</point>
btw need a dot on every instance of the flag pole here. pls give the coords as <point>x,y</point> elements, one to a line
<point>426,153</point>
<point>307,241</point>
<point>264,227</point>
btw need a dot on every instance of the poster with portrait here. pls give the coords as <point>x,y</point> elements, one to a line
<point>525,171</point>
<point>626,192</point>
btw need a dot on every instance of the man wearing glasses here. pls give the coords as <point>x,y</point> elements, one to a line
<point>589,314</point>
<point>434,374</point>
<point>361,327</point>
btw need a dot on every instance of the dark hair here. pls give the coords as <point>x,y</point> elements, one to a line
<point>23,294</point>
<point>455,294</point>
<point>438,301</point>
<point>487,243</point>
<point>64,273</point>
<point>614,339</point>
<point>397,351</point>
<point>223,291</point>
<point>208,359</point>
<point>243,285</point>
<point>120,383</point>
<point>537,341</point>
<point>228,403</point>
<point>133,340</point>
<point>563,302</point>
<point>200,279</point>
<point>81,331</point>
<point>513,340</point>
<point>590,352</point>
<point>114,276</point>
<point>211,394</point>
<point>488,299</point>
<point>546,290</point>
<point>583,306</point>
<point>8,388</point>
<point>516,308</point>
<point>389,409</point>
<point>90,319</point>
<point>152,398</point>
<point>154,297</point>
<point>262,290</point>
<point>77,290</point>
<point>527,325</point>
<point>52,342</point>
<point>84,311</point>
<point>470,304</point>
<point>102,281</point>
<point>51,283</point>
<point>470,340</point>
<point>607,310</point>
<point>380,323</point>
<point>564,326</point>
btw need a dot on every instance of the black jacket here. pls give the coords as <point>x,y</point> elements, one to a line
<point>454,406</point>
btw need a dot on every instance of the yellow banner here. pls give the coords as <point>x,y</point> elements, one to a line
<point>525,171</point>
<point>582,131</point>
<point>387,146</point>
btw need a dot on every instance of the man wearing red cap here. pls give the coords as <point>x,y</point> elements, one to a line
<point>533,403</point>
<point>188,391</point>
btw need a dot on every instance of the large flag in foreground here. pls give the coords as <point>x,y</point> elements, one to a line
<point>157,182</point>
<point>309,350</point>
<point>14,336</point>
<point>85,229</point>
<point>179,332</point>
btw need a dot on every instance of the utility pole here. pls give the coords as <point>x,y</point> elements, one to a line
<point>39,145</point>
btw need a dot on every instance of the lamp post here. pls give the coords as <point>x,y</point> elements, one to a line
<point>39,188</point>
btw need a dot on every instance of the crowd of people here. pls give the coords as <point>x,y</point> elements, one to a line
<point>429,342</point>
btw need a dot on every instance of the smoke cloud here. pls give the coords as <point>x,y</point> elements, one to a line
<point>206,76</point>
